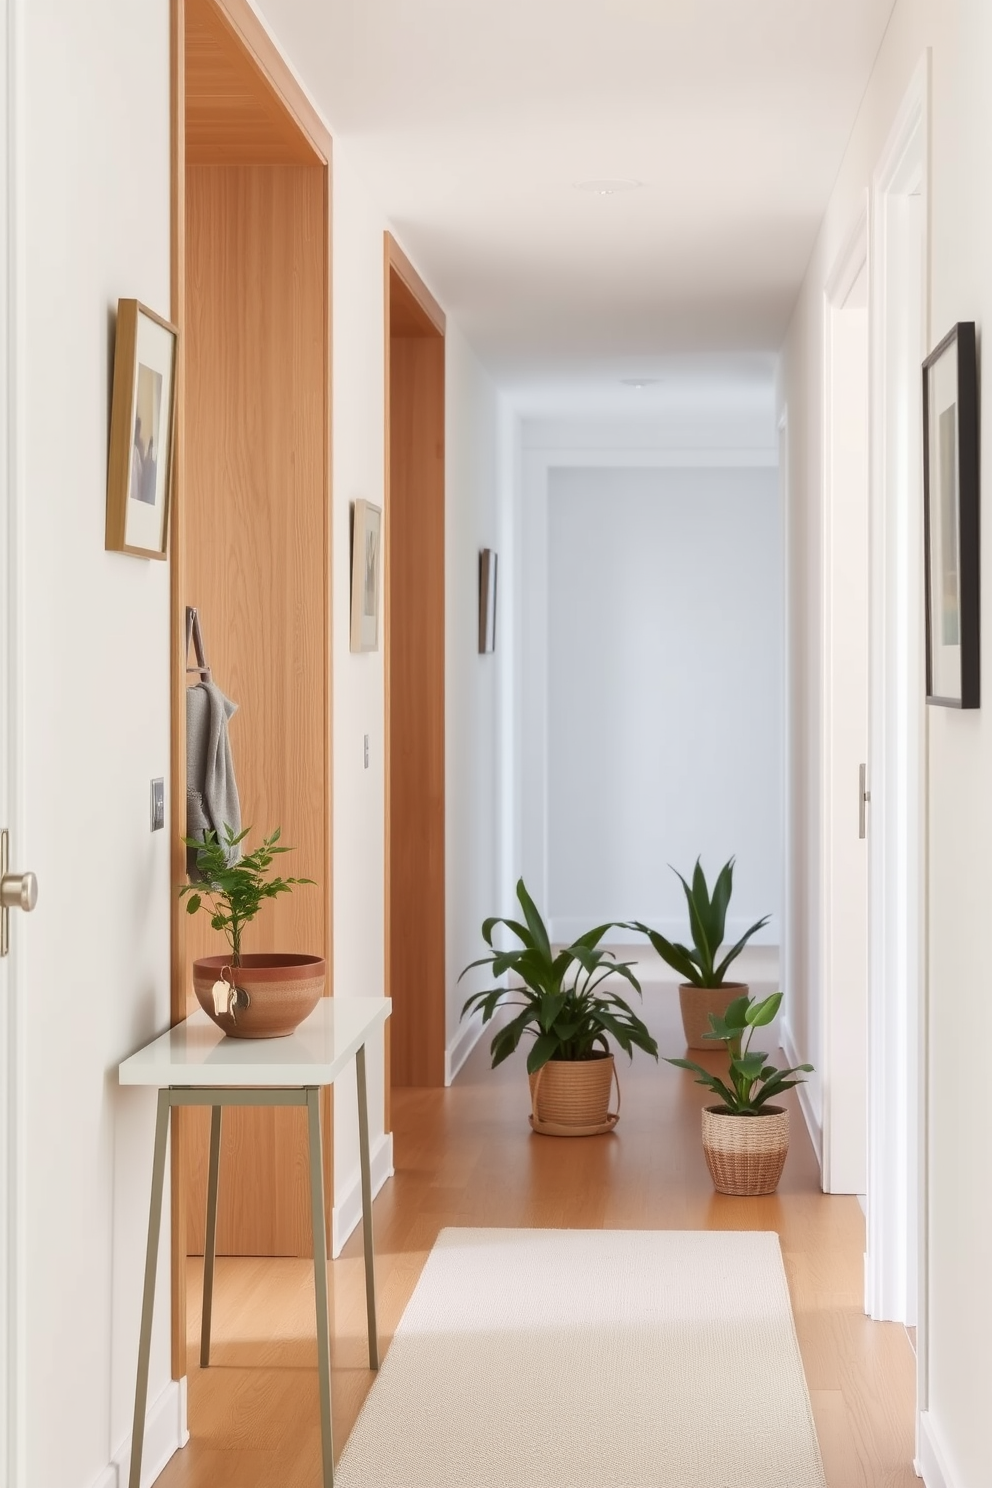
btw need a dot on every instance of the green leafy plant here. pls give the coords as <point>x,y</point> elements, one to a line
<point>707,923</point>
<point>751,1083</point>
<point>231,893</point>
<point>563,1004</point>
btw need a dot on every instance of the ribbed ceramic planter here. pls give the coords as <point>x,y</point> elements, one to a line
<point>745,1154</point>
<point>571,1097</point>
<point>698,1002</point>
<point>282,990</point>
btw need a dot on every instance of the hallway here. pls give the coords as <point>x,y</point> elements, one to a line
<point>465,1156</point>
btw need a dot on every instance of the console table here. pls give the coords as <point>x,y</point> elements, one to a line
<point>195,1064</point>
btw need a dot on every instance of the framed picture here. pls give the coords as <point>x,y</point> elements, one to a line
<point>950,509</point>
<point>142,418</point>
<point>366,556</point>
<point>488,564</point>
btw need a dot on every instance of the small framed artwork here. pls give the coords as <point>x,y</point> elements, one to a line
<point>950,514</point>
<point>488,565</point>
<point>366,557</point>
<point>142,419</point>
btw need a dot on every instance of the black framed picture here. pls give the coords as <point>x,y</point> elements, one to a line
<point>950,508</point>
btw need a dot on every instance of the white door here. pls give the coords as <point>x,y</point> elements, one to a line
<point>844,731</point>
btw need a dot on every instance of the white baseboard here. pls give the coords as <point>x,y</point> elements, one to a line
<point>461,1046</point>
<point>563,929</point>
<point>165,1433</point>
<point>813,1126</point>
<point>346,1215</point>
<point>932,1465</point>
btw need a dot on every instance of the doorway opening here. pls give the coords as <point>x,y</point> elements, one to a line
<point>897,885</point>
<point>251,548</point>
<point>415,947</point>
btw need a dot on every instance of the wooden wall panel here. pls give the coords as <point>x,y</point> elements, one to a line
<point>255,539</point>
<point>415,888</point>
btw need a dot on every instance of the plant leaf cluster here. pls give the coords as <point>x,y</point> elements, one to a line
<point>562,1003</point>
<point>707,924</point>
<point>232,893</point>
<point>751,1082</point>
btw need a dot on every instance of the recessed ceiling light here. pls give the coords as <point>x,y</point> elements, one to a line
<point>606,187</point>
<point>640,382</point>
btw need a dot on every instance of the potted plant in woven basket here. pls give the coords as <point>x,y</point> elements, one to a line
<point>565,1003</point>
<point>264,995</point>
<point>745,1137</point>
<point>705,990</point>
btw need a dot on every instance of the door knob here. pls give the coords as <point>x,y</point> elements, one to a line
<point>18,891</point>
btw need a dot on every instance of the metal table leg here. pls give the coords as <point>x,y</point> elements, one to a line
<point>148,1296</point>
<point>363,1144</point>
<point>210,1240</point>
<point>320,1283</point>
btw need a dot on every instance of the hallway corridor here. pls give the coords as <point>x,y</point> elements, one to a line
<point>465,1156</point>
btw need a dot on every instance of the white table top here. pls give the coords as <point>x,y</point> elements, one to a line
<point>196,1052</point>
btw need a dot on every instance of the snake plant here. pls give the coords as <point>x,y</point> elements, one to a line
<point>707,923</point>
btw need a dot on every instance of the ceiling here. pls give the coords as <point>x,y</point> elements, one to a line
<point>472,120</point>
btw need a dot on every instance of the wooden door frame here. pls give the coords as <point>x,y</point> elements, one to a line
<point>251,39</point>
<point>434,324</point>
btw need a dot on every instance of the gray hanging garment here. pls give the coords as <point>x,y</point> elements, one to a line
<point>212,802</point>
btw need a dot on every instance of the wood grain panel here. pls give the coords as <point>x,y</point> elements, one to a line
<point>235,111</point>
<point>256,563</point>
<point>413,310</point>
<point>414,629</point>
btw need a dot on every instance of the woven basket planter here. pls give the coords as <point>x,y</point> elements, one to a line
<point>745,1154</point>
<point>698,1002</point>
<point>571,1097</point>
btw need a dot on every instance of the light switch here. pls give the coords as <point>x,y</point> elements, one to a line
<point>158,804</point>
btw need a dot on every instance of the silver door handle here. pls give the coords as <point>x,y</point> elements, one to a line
<point>17,891</point>
<point>864,797</point>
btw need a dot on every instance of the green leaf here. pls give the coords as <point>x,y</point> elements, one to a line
<point>735,950</point>
<point>736,1015</point>
<point>762,1013</point>
<point>193,903</point>
<point>674,955</point>
<point>698,914</point>
<point>542,1049</point>
<point>722,890</point>
<point>534,922</point>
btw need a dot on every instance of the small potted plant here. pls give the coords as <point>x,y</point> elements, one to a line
<point>563,1004</point>
<point>247,995</point>
<point>704,991</point>
<point>745,1137</point>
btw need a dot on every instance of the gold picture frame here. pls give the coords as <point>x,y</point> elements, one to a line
<point>142,432</point>
<point>366,568</point>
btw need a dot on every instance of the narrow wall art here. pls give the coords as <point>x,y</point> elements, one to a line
<point>950,505</point>
<point>488,565</point>
<point>139,468</point>
<point>366,556</point>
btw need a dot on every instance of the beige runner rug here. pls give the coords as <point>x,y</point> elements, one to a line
<point>591,1359</point>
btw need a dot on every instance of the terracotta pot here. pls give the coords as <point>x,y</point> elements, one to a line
<point>745,1154</point>
<point>571,1097</point>
<point>282,990</point>
<point>698,1002</point>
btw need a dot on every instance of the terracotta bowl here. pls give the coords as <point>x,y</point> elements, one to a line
<point>281,991</point>
<point>698,1002</point>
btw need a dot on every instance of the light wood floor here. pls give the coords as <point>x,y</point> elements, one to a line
<point>465,1156</point>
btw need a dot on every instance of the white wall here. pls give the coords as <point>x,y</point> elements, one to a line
<point>664,681</point>
<point>697,436</point>
<point>956,1321</point>
<point>358,817</point>
<point>474,739</point>
<point>93,85</point>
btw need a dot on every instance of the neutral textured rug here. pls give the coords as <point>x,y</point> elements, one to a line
<point>591,1359</point>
